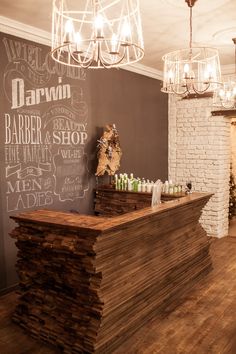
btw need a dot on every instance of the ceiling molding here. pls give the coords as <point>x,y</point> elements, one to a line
<point>34,34</point>
<point>144,70</point>
<point>22,30</point>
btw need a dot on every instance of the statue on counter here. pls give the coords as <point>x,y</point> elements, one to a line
<point>109,152</point>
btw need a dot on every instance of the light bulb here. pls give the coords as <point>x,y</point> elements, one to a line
<point>186,71</point>
<point>68,31</point>
<point>186,68</point>
<point>126,32</point>
<point>170,76</point>
<point>68,26</point>
<point>78,40</point>
<point>98,23</point>
<point>210,72</point>
<point>114,42</point>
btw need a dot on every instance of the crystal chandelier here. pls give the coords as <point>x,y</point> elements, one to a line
<point>194,70</point>
<point>225,95</point>
<point>98,34</point>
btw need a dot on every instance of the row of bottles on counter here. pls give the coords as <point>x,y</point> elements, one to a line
<point>125,182</point>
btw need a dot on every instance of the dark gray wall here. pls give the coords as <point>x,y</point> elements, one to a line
<point>39,168</point>
<point>135,103</point>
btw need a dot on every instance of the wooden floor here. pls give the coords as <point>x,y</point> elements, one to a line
<point>232,227</point>
<point>203,323</point>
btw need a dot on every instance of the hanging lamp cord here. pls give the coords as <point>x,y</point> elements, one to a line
<point>190,5</point>
<point>191,30</point>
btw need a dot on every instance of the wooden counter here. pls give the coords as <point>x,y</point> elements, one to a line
<point>87,282</point>
<point>112,202</point>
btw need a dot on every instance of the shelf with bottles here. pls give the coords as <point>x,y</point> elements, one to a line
<point>109,201</point>
<point>125,182</point>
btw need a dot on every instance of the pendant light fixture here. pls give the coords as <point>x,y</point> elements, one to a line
<point>225,95</point>
<point>194,70</point>
<point>97,34</point>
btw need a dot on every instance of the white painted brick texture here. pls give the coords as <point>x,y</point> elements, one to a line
<point>233,149</point>
<point>199,150</point>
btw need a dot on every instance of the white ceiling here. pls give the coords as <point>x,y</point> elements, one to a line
<point>165,25</point>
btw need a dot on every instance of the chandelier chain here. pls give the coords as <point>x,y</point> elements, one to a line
<point>191,31</point>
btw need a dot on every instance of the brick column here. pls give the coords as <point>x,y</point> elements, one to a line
<point>233,148</point>
<point>199,150</point>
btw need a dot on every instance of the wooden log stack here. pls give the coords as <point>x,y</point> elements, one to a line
<point>87,283</point>
<point>111,202</point>
<point>59,285</point>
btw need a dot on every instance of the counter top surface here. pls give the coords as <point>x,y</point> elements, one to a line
<point>100,224</point>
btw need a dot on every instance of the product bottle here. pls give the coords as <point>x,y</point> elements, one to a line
<point>143,185</point>
<point>166,189</point>
<point>118,184</point>
<point>130,187</point>
<point>139,186</point>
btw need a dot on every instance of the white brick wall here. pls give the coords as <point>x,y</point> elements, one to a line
<point>199,150</point>
<point>233,148</point>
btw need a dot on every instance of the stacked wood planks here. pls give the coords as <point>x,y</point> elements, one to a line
<point>88,283</point>
<point>111,202</point>
<point>59,285</point>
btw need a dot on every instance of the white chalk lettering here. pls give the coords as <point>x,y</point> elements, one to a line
<point>29,200</point>
<point>22,97</point>
<point>22,129</point>
<point>20,50</point>
<point>26,185</point>
<point>12,154</point>
<point>69,138</point>
<point>67,124</point>
<point>71,154</point>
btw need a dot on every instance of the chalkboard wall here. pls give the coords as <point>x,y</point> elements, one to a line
<point>51,118</point>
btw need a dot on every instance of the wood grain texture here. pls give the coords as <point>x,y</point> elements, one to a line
<point>111,202</point>
<point>88,283</point>
<point>203,320</point>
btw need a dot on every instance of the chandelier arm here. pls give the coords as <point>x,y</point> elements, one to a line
<point>201,91</point>
<point>105,63</point>
<point>82,63</point>
<point>178,93</point>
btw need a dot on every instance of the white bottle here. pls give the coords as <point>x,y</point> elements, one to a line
<point>130,185</point>
<point>171,187</point>
<point>149,187</point>
<point>143,186</point>
<point>139,186</point>
<point>166,189</point>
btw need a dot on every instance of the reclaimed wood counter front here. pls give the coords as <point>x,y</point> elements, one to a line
<point>87,282</point>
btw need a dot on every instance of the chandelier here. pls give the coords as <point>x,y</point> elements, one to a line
<point>225,95</point>
<point>98,34</point>
<point>194,70</point>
